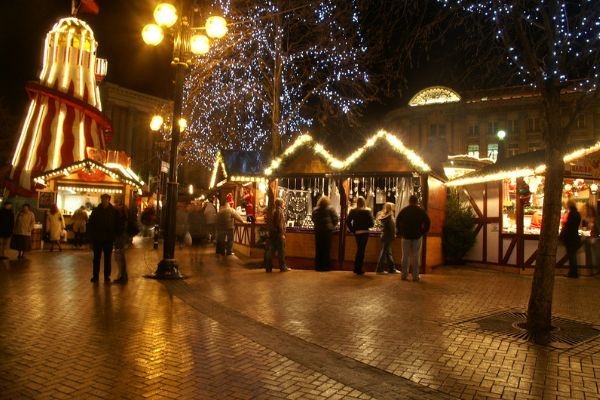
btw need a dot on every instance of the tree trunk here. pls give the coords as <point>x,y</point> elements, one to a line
<point>539,312</point>
<point>277,84</point>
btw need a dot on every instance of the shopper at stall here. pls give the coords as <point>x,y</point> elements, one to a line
<point>21,238</point>
<point>359,220</point>
<point>325,219</point>
<point>55,227</point>
<point>276,242</point>
<point>7,224</point>
<point>103,227</point>
<point>210,218</point>
<point>386,218</point>
<point>569,235</point>
<point>412,223</point>
<point>79,221</point>
<point>226,218</point>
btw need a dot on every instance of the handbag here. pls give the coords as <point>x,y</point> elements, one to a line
<point>187,239</point>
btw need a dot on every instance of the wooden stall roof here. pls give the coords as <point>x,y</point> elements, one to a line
<point>520,165</point>
<point>91,170</point>
<point>304,157</point>
<point>238,165</point>
<point>383,153</point>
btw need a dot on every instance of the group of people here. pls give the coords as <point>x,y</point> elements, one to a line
<point>411,224</point>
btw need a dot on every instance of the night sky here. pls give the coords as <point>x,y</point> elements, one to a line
<point>131,63</point>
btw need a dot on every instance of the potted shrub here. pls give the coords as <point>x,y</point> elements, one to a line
<point>458,234</point>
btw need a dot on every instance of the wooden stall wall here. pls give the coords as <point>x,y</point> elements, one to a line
<point>436,209</point>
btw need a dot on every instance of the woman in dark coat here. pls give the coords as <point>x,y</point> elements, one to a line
<point>7,224</point>
<point>325,220</point>
<point>360,219</point>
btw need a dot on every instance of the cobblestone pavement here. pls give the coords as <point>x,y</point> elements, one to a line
<point>231,331</point>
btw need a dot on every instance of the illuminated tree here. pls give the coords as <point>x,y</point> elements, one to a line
<point>552,45</point>
<point>285,66</point>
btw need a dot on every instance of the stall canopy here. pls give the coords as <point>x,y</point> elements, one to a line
<point>91,172</point>
<point>237,166</point>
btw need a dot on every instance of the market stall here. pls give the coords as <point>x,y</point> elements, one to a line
<point>238,178</point>
<point>300,176</point>
<point>508,200</point>
<point>382,170</point>
<point>81,183</point>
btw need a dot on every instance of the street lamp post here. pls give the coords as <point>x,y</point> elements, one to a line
<point>501,134</point>
<point>186,42</point>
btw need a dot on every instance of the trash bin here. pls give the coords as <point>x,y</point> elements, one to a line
<point>36,237</point>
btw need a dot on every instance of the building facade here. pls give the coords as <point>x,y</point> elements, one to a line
<point>468,123</point>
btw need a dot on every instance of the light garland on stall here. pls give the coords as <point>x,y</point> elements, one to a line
<point>307,141</point>
<point>87,189</point>
<point>87,165</point>
<point>519,173</point>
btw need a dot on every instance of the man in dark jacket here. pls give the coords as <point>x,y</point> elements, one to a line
<point>7,224</point>
<point>411,224</point>
<point>276,238</point>
<point>569,234</point>
<point>104,225</point>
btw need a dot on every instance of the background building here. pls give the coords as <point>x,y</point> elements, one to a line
<point>440,121</point>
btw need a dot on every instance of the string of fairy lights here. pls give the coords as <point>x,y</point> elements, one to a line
<point>287,59</point>
<point>575,37</point>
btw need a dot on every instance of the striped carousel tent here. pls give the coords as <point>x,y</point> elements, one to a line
<point>64,115</point>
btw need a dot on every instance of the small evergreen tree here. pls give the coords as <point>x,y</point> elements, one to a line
<point>458,232</point>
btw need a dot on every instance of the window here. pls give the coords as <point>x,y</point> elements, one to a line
<point>437,131</point>
<point>533,146</point>
<point>492,151</point>
<point>513,149</point>
<point>533,125</point>
<point>493,128</point>
<point>514,127</point>
<point>473,150</point>
<point>473,131</point>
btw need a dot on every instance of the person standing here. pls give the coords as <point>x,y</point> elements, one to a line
<point>412,223</point>
<point>325,219</point>
<point>210,218</point>
<point>276,241</point>
<point>7,224</point>
<point>226,218</point>
<point>569,234</point>
<point>21,239</point>
<point>122,240</point>
<point>360,219</point>
<point>55,225</point>
<point>103,227</point>
<point>386,219</point>
<point>80,219</point>
<point>181,225</point>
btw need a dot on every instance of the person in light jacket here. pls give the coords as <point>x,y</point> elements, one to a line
<point>21,239</point>
<point>55,225</point>
<point>226,218</point>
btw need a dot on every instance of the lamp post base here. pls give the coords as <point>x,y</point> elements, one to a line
<point>166,269</point>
